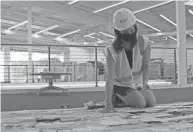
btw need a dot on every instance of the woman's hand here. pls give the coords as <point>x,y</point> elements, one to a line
<point>139,88</point>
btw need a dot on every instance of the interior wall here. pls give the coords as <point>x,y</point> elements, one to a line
<point>100,54</point>
<point>168,54</point>
<point>169,44</point>
<point>79,55</point>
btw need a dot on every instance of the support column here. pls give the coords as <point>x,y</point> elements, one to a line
<point>30,67</point>
<point>111,31</point>
<point>66,58</point>
<point>6,58</point>
<point>109,22</point>
<point>181,42</point>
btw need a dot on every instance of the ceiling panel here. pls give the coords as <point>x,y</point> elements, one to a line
<point>4,6</point>
<point>163,9</point>
<point>188,14</point>
<point>153,21</point>
<point>15,17</point>
<point>46,15</point>
<point>96,4</point>
<point>189,23</point>
<point>132,5</point>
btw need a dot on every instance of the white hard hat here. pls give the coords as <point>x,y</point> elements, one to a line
<point>123,19</point>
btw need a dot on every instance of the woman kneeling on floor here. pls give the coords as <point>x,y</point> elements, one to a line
<point>128,60</point>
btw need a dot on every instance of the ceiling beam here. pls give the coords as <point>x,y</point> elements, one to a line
<point>190,3</point>
<point>167,33</point>
<point>40,17</point>
<point>19,5</point>
<point>8,22</point>
<point>23,34</point>
<point>12,9</point>
<point>73,14</point>
<point>36,18</point>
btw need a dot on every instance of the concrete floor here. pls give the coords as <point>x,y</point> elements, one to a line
<point>71,85</point>
<point>174,117</point>
<point>30,101</point>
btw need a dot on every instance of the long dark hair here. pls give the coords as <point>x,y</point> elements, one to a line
<point>117,44</point>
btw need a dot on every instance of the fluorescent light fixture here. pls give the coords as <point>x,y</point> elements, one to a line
<point>91,37</point>
<point>190,3</point>
<point>94,38</point>
<point>159,34</point>
<point>33,26</point>
<point>148,25</point>
<point>69,33</point>
<point>72,2</point>
<point>107,35</point>
<point>135,13</point>
<point>46,29</point>
<point>100,41</point>
<point>36,36</point>
<point>154,28</point>
<point>88,34</point>
<point>105,8</point>
<point>191,12</point>
<point>171,23</point>
<point>22,23</point>
<point>8,32</point>
<point>86,43</point>
<point>173,38</point>
<point>154,6</point>
<point>191,35</point>
<point>162,16</point>
<point>152,41</point>
<point>52,34</point>
<point>59,39</point>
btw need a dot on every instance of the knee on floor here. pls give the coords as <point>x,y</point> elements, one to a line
<point>149,98</point>
<point>137,99</point>
<point>141,103</point>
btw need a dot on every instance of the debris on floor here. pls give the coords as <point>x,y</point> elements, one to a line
<point>176,117</point>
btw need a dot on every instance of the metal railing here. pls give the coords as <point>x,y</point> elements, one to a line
<point>189,56</point>
<point>80,72</point>
<point>86,63</point>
